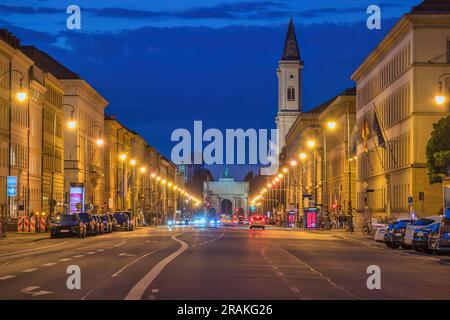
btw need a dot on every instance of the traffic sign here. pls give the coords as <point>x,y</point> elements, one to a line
<point>11,182</point>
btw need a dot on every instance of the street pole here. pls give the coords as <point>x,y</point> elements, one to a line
<point>349,161</point>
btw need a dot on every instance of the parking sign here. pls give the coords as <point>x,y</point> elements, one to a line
<point>11,182</point>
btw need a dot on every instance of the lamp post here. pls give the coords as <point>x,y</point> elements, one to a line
<point>21,95</point>
<point>441,97</point>
<point>99,143</point>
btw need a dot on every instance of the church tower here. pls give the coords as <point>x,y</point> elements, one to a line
<point>289,85</point>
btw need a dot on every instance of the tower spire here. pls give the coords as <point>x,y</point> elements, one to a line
<point>290,50</point>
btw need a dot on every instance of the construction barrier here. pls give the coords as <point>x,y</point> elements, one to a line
<point>32,224</point>
<point>20,223</point>
<point>43,224</point>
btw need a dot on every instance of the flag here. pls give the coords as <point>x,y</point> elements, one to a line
<point>377,129</point>
<point>365,132</point>
<point>354,141</point>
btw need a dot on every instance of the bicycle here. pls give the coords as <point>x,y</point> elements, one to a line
<point>367,229</point>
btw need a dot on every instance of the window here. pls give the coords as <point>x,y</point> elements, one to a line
<point>291,94</point>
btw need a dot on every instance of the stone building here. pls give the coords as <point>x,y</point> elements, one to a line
<point>396,85</point>
<point>20,129</point>
<point>52,135</point>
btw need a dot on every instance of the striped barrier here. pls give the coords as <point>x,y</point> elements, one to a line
<point>20,223</point>
<point>32,224</point>
<point>42,224</point>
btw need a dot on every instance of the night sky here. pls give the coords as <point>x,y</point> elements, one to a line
<point>162,64</point>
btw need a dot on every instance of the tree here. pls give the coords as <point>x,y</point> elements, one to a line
<point>438,151</point>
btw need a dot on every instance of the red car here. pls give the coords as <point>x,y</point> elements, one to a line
<point>258,222</point>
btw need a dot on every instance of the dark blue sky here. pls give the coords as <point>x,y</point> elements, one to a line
<point>163,64</point>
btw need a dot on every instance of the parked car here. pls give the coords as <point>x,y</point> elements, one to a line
<point>113,221</point>
<point>107,223</point>
<point>100,226</point>
<point>419,224</point>
<point>123,221</point>
<point>379,233</point>
<point>395,232</point>
<point>424,238</point>
<point>91,224</point>
<point>443,241</point>
<point>68,225</point>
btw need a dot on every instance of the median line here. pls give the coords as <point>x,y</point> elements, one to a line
<point>34,249</point>
<point>137,292</point>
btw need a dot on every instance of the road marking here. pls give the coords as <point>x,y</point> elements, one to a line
<point>326,278</point>
<point>279,273</point>
<point>100,250</point>
<point>29,270</point>
<point>29,289</point>
<point>7,277</point>
<point>79,256</point>
<point>41,293</point>
<point>34,249</point>
<point>155,290</point>
<point>295,289</point>
<point>92,252</point>
<point>65,259</point>
<point>48,264</point>
<point>122,254</point>
<point>134,261</point>
<point>138,290</point>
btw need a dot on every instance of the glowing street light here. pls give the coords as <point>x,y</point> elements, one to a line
<point>285,170</point>
<point>143,169</point>
<point>293,163</point>
<point>302,156</point>
<point>123,157</point>
<point>331,125</point>
<point>133,162</point>
<point>311,143</point>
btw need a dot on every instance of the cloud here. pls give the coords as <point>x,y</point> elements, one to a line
<point>8,10</point>
<point>127,13</point>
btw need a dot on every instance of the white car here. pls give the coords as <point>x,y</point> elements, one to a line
<point>421,223</point>
<point>379,233</point>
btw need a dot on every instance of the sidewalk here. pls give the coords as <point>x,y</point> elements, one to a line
<point>356,236</point>
<point>16,236</point>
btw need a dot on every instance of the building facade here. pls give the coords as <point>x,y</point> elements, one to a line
<point>20,131</point>
<point>395,86</point>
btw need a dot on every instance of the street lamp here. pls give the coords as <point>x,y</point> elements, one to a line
<point>123,157</point>
<point>440,96</point>
<point>302,156</point>
<point>71,123</point>
<point>21,94</point>
<point>133,162</point>
<point>331,125</point>
<point>311,143</point>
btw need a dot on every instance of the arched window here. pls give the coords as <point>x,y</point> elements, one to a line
<point>291,94</point>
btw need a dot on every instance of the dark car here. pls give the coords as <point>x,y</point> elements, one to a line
<point>123,221</point>
<point>425,238</point>
<point>395,232</point>
<point>113,221</point>
<point>100,226</point>
<point>107,223</point>
<point>68,225</point>
<point>92,227</point>
<point>443,241</point>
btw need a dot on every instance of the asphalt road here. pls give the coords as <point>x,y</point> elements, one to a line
<point>216,263</point>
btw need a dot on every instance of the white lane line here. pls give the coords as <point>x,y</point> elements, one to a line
<point>79,256</point>
<point>324,277</point>
<point>34,249</point>
<point>155,290</point>
<point>41,293</point>
<point>29,289</point>
<point>295,289</point>
<point>7,277</point>
<point>134,261</point>
<point>279,273</point>
<point>29,270</point>
<point>122,254</point>
<point>100,250</point>
<point>48,264</point>
<point>138,290</point>
<point>65,259</point>
<point>92,252</point>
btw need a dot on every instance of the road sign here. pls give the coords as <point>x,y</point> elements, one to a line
<point>410,201</point>
<point>11,182</point>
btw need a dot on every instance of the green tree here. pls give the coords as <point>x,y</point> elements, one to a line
<point>438,151</point>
